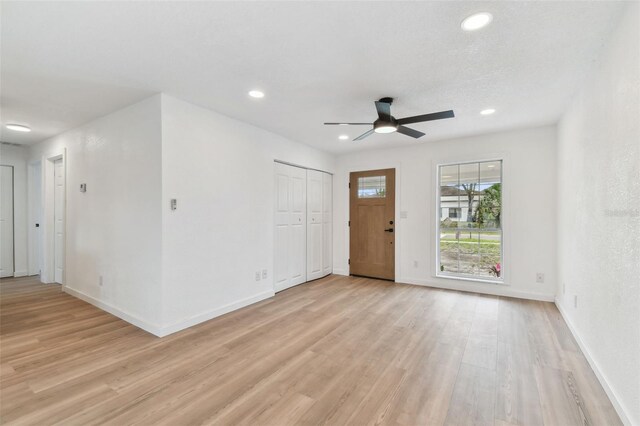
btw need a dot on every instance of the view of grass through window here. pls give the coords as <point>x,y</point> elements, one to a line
<point>469,227</point>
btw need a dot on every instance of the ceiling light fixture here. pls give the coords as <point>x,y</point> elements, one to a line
<point>491,166</point>
<point>256,94</point>
<point>18,127</point>
<point>380,126</point>
<point>385,129</point>
<point>476,21</point>
<point>487,111</point>
<point>343,137</point>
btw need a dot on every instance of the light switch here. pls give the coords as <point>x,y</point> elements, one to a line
<point>174,204</point>
<point>83,187</point>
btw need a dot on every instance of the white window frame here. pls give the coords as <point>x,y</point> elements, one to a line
<point>469,277</point>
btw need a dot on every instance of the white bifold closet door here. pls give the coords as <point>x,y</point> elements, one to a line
<point>303,229</point>
<point>314,225</point>
<point>290,233</point>
<point>6,221</point>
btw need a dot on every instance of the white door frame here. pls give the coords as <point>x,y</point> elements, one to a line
<point>13,219</point>
<point>35,197</point>
<point>48,225</point>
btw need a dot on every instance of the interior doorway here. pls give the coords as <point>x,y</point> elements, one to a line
<point>372,223</point>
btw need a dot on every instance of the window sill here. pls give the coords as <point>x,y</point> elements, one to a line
<point>478,280</point>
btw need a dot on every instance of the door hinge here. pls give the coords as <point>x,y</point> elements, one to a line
<point>349,185</point>
<point>349,262</point>
<point>349,223</point>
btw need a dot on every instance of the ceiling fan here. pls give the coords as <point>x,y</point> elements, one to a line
<point>386,123</point>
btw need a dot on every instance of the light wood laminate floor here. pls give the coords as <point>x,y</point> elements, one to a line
<point>340,350</point>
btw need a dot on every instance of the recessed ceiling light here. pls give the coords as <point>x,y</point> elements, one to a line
<point>491,166</point>
<point>343,137</point>
<point>476,21</point>
<point>487,111</point>
<point>18,127</point>
<point>256,94</point>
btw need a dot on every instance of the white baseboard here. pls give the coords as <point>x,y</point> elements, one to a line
<point>175,327</point>
<point>23,273</point>
<point>213,313</point>
<point>340,272</point>
<point>596,369</point>
<point>492,289</point>
<point>132,319</point>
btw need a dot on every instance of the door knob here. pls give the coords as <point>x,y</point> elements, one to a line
<point>388,230</point>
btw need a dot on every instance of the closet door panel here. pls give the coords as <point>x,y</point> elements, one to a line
<point>290,239</point>
<point>327,224</point>
<point>297,252</point>
<point>314,224</point>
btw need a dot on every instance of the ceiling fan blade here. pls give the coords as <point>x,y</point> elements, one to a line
<point>427,117</point>
<point>384,110</point>
<point>347,124</point>
<point>410,132</point>
<point>364,135</point>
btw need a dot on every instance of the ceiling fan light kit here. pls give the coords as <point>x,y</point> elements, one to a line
<point>386,123</point>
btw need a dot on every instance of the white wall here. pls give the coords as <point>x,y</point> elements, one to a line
<point>221,171</point>
<point>114,229</point>
<point>529,180</point>
<point>16,156</point>
<point>599,217</point>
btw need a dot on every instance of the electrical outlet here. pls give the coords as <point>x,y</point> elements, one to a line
<point>100,281</point>
<point>415,263</point>
<point>264,274</point>
<point>575,301</point>
<point>257,275</point>
<point>539,277</point>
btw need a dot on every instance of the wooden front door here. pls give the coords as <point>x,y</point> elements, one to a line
<point>372,216</point>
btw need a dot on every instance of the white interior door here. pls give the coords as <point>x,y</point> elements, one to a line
<point>58,218</point>
<point>290,235</point>
<point>6,221</point>
<point>314,224</point>
<point>327,228</point>
<point>35,219</point>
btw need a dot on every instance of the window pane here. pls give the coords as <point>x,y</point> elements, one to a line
<point>470,231</point>
<point>469,251</point>
<point>490,203</point>
<point>449,251</point>
<point>490,263</point>
<point>469,177</point>
<point>372,187</point>
<point>449,197</point>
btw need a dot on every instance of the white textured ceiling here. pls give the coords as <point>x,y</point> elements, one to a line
<point>66,63</point>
